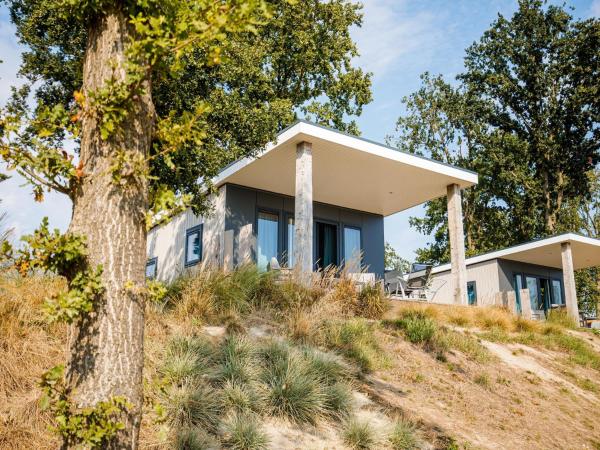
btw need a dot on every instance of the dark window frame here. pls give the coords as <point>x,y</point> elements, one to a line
<point>150,262</point>
<point>198,229</point>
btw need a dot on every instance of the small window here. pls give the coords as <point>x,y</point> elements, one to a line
<point>193,246</point>
<point>472,292</point>
<point>151,266</point>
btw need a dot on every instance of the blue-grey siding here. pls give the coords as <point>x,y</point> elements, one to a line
<point>508,268</point>
<point>242,204</point>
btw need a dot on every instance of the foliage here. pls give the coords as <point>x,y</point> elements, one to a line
<point>524,115</point>
<point>242,432</point>
<point>404,436</point>
<point>359,435</point>
<point>90,426</point>
<point>393,261</point>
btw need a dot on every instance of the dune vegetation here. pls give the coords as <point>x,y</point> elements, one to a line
<point>243,360</point>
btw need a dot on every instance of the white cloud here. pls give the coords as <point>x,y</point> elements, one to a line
<point>393,30</point>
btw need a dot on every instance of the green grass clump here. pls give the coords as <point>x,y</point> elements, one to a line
<point>194,439</point>
<point>293,391</point>
<point>561,318</point>
<point>404,436</point>
<point>191,405</point>
<point>467,345</point>
<point>483,379</point>
<point>355,339</point>
<point>338,401</point>
<point>241,397</point>
<point>236,360</point>
<point>186,359</point>
<point>359,435</point>
<point>242,432</point>
<point>417,326</point>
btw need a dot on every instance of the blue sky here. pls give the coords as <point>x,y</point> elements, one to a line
<point>399,40</point>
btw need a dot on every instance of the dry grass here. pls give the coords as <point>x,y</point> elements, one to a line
<point>28,347</point>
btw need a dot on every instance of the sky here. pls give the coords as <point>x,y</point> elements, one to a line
<point>398,41</point>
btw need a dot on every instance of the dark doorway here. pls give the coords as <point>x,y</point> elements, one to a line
<point>327,245</point>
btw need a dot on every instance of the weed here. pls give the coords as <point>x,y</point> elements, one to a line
<point>371,302</point>
<point>359,435</point>
<point>193,439</point>
<point>191,405</point>
<point>466,344</point>
<point>483,380</point>
<point>293,391</point>
<point>242,432</point>
<point>560,318</point>
<point>404,436</point>
<point>417,326</point>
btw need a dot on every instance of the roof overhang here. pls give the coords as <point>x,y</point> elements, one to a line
<point>348,171</point>
<point>544,252</point>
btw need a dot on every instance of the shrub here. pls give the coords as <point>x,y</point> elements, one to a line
<point>293,391</point>
<point>236,360</point>
<point>417,326</point>
<point>371,302</point>
<point>241,397</point>
<point>355,338</point>
<point>242,432</point>
<point>467,345</point>
<point>191,405</point>
<point>483,379</point>
<point>493,318</point>
<point>338,400</point>
<point>194,439</point>
<point>404,436</point>
<point>186,359</point>
<point>561,318</point>
<point>359,435</point>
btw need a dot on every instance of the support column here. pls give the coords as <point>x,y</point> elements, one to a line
<point>569,282</point>
<point>457,245</point>
<point>303,215</point>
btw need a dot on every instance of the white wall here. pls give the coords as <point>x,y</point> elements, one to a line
<point>167,242</point>
<point>486,276</point>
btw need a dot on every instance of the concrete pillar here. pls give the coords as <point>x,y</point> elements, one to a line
<point>228,251</point>
<point>457,245</point>
<point>569,281</point>
<point>303,216</point>
<point>525,304</point>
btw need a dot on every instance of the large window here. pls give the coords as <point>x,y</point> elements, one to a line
<point>536,300</point>
<point>291,230</point>
<point>193,246</point>
<point>352,249</point>
<point>557,297</point>
<point>518,287</point>
<point>268,232</point>
<point>151,267</point>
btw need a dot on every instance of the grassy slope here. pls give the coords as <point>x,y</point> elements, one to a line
<point>451,377</point>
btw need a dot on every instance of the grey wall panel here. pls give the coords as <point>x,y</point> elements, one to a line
<point>509,268</point>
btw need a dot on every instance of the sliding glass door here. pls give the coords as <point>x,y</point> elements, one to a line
<point>326,245</point>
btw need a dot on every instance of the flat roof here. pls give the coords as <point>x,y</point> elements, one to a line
<point>348,171</point>
<point>543,252</point>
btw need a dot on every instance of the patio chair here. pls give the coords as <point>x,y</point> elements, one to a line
<point>395,283</point>
<point>419,281</point>
<point>361,279</point>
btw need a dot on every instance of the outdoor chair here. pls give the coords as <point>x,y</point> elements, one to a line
<point>419,281</point>
<point>362,279</point>
<point>395,284</point>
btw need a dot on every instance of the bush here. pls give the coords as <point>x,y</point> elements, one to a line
<point>416,325</point>
<point>236,360</point>
<point>194,439</point>
<point>359,435</point>
<point>293,390</point>
<point>191,405</point>
<point>561,318</point>
<point>356,340</point>
<point>242,432</point>
<point>371,302</point>
<point>404,436</point>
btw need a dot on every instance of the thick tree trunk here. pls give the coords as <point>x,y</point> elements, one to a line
<point>106,348</point>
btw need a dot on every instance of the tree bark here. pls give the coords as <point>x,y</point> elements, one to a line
<point>106,346</point>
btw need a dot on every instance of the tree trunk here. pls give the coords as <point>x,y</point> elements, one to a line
<point>106,347</point>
